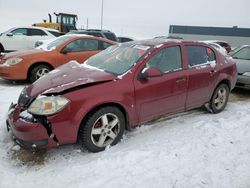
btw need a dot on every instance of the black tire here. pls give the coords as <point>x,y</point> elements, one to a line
<point>38,71</point>
<point>1,49</point>
<point>102,128</point>
<point>219,99</point>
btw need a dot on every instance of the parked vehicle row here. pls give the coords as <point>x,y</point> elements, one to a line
<point>24,38</point>
<point>33,64</point>
<point>117,89</point>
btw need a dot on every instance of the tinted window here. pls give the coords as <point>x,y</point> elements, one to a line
<point>20,31</point>
<point>95,34</point>
<point>223,44</point>
<point>110,36</point>
<point>36,32</point>
<point>168,59</point>
<point>82,45</point>
<point>105,45</point>
<point>199,55</point>
<point>56,34</point>
<point>124,39</point>
<point>244,53</point>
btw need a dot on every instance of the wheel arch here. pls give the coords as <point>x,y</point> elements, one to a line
<point>110,104</point>
<point>36,64</point>
<point>224,81</point>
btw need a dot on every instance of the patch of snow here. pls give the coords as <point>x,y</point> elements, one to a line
<point>191,149</point>
<point>91,67</point>
<point>159,45</point>
<point>212,64</point>
<point>16,148</point>
<point>121,76</point>
<point>54,71</point>
<point>26,115</point>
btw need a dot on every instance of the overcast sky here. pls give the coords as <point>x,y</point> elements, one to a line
<point>135,18</point>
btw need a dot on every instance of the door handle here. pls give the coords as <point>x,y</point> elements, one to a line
<point>212,72</point>
<point>178,80</point>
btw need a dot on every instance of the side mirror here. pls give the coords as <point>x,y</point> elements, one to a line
<point>9,34</point>
<point>149,73</point>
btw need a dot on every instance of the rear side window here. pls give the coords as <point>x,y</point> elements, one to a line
<point>198,55</point>
<point>167,59</point>
<point>56,34</point>
<point>95,34</point>
<point>36,32</point>
<point>110,36</point>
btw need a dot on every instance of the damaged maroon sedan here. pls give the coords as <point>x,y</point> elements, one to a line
<point>124,86</point>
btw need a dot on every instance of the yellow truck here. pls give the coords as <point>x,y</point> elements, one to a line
<point>64,22</point>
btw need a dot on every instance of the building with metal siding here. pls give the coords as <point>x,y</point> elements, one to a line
<point>233,35</point>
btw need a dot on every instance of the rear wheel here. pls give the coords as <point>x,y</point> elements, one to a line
<point>219,98</point>
<point>38,71</point>
<point>104,127</point>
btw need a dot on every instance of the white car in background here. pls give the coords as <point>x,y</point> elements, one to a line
<point>217,47</point>
<point>24,38</point>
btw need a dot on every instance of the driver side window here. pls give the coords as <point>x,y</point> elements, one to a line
<point>20,31</point>
<point>167,60</point>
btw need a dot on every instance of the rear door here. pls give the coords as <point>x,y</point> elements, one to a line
<point>34,35</point>
<point>201,74</point>
<point>157,96</point>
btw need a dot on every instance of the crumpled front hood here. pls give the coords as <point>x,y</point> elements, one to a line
<point>66,77</point>
<point>21,53</point>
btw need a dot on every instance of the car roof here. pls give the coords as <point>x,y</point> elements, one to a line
<point>162,41</point>
<point>215,41</point>
<point>37,27</point>
<point>75,36</point>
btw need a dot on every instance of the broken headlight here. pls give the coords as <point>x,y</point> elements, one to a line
<point>47,105</point>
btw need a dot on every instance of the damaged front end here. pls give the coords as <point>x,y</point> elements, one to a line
<point>29,123</point>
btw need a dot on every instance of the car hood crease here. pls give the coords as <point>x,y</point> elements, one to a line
<point>66,77</point>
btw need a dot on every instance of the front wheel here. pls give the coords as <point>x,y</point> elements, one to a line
<point>104,127</point>
<point>38,71</point>
<point>219,98</point>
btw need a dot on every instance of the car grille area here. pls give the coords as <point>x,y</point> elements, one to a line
<point>24,100</point>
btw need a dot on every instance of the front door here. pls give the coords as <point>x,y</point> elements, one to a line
<point>164,94</point>
<point>17,39</point>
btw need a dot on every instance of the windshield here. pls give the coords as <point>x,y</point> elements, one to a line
<point>59,41</point>
<point>118,59</point>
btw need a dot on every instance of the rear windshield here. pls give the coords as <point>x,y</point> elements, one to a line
<point>59,41</point>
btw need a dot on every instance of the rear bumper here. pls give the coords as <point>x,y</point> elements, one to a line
<point>243,82</point>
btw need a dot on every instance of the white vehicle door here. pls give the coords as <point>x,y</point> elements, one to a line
<point>35,35</point>
<point>16,40</point>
